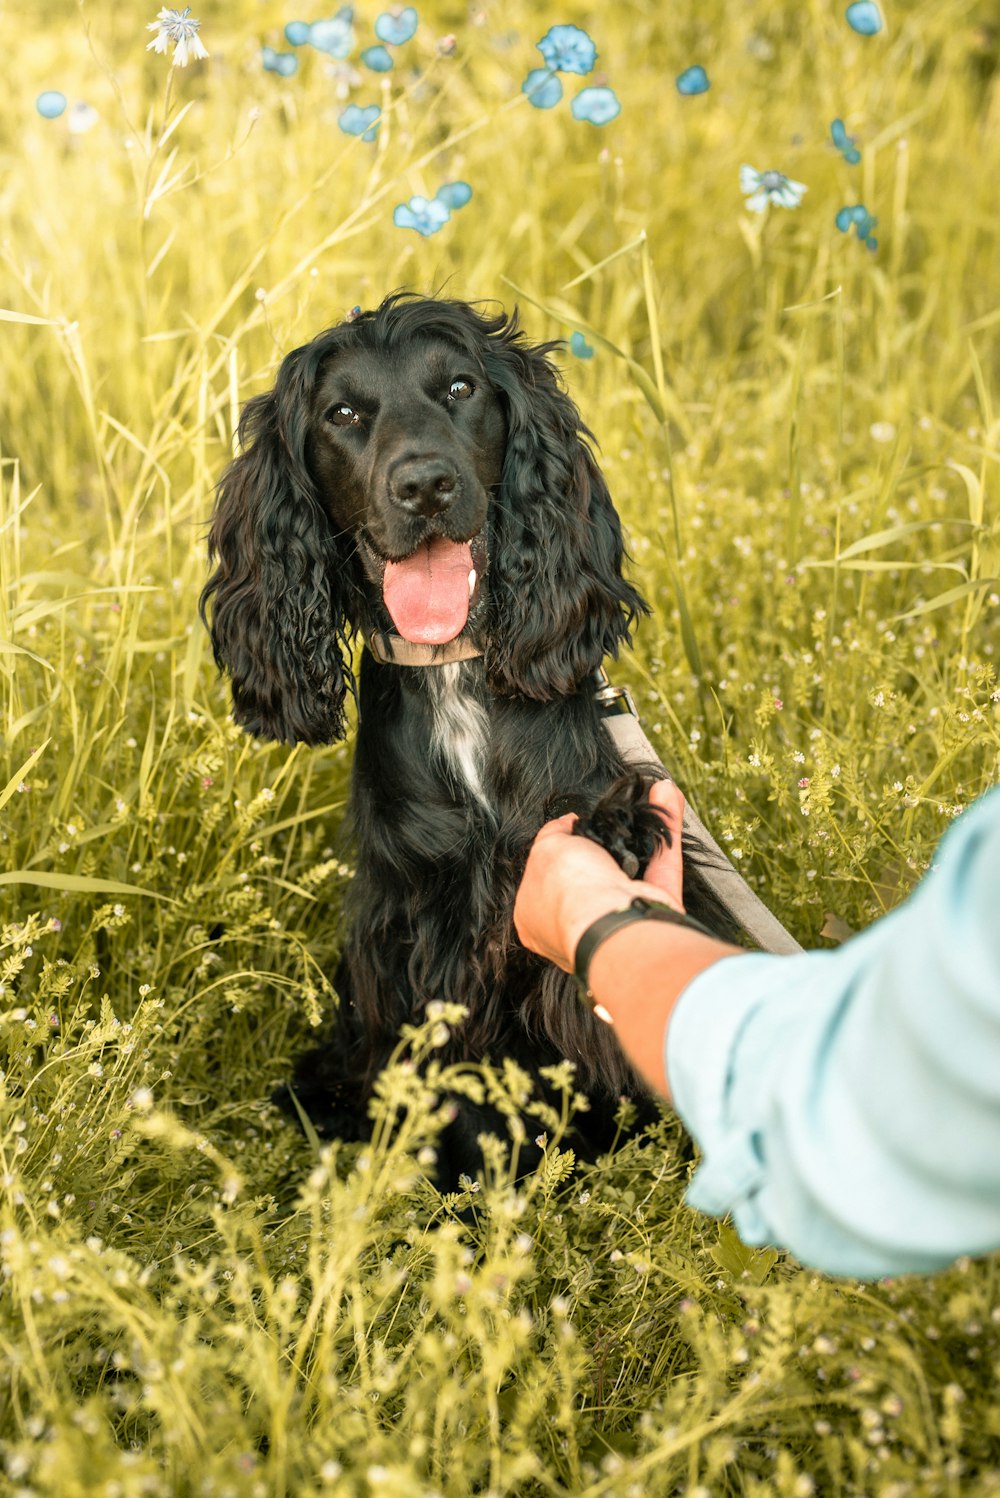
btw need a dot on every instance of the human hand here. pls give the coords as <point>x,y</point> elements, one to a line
<point>569,882</point>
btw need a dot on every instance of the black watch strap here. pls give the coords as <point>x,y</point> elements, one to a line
<point>640,909</point>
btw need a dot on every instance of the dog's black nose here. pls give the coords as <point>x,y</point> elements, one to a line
<point>424,486</point>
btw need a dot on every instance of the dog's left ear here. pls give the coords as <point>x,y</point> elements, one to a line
<point>559,603</point>
<point>276,602</point>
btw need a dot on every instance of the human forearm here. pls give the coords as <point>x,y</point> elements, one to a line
<point>637,976</point>
<point>847,1102</point>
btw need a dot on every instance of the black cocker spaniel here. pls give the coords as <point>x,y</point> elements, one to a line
<point>418,474</point>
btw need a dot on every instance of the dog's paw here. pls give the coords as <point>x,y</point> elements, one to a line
<point>625,825</point>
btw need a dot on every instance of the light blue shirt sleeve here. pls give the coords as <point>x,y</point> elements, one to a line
<point>847,1102</point>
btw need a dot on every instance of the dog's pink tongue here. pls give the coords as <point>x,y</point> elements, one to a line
<point>427,595</point>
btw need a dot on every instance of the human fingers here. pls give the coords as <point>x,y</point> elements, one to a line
<point>567,882</point>
<point>558,826</point>
<point>666,867</point>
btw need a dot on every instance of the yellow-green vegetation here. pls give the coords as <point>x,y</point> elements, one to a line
<point>802,435</point>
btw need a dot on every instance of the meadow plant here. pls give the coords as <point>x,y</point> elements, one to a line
<point>799,424</point>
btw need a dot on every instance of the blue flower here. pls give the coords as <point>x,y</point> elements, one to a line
<point>397,27</point>
<point>426,215</point>
<point>50,104</point>
<point>770,187</point>
<point>579,346</point>
<point>864,17</point>
<point>543,88</point>
<point>568,49</point>
<point>454,194</point>
<point>857,215</point>
<point>378,59</point>
<point>844,143</point>
<point>357,121</point>
<point>297,33</point>
<point>596,105</point>
<point>335,37</point>
<point>284,63</point>
<point>693,80</point>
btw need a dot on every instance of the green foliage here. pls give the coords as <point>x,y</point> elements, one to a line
<point>803,440</point>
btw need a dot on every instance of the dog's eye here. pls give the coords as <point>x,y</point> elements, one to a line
<point>343,416</point>
<point>460,390</point>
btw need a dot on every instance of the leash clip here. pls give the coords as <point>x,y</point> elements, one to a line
<point>613,701</point>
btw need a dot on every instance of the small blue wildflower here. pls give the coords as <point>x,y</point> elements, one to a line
<point>454,194</point>
<point>844,143</point>
<point>543,88</point>
<point>297,33</point>
<point>568,49</point>
<point>396,27</point>
<point>426,215</point>
<point>864,17</point>
<point>379,59</point>
<point>335,37</point>
<point>284,63</point>
<point>579,347</point>
<point>597,106</point>
<point>177,27</point>
<point>50,104</point>
<point>770,187</point>
<point>863,223</point>
<point>355,120</point>
<point>693,80</point>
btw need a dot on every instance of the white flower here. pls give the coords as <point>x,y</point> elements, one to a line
<point>770,187</point>
<point>81,118</point>
<point>174,26</point>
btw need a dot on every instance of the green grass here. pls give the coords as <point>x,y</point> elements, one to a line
<point>802,437</point>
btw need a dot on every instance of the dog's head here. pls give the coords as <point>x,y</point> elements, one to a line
<point>417,470</point>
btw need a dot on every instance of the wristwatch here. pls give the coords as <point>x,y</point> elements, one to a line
<point>640,909</point>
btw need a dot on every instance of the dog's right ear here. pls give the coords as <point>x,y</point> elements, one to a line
<point>277,617</point>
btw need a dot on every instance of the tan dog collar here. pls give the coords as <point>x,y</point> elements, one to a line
<point>393,650</point>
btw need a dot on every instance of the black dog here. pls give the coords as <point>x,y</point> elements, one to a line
<point>419,475</point>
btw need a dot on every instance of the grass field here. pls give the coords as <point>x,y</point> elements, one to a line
<point>802,434</point>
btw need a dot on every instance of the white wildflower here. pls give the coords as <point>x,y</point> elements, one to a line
<point>770,187</point>
<point>174,26</point>
<point>82,117</point>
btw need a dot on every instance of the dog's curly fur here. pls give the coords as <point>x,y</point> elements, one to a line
<point>456,766</point>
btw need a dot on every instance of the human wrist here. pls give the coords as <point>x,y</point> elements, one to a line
<point>642,909</point>
<point>636,977</point>
<point>581,908</point>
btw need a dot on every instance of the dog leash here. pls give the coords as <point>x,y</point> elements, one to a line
<point>746,909</point>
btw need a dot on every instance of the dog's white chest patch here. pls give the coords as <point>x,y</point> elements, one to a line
<point>459,728</point>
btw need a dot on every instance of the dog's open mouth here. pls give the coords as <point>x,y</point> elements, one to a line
<point>430,593</point>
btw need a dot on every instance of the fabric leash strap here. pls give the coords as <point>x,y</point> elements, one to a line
<point>746,909</point>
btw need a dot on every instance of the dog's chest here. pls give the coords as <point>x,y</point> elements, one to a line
<point>459,728</point>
